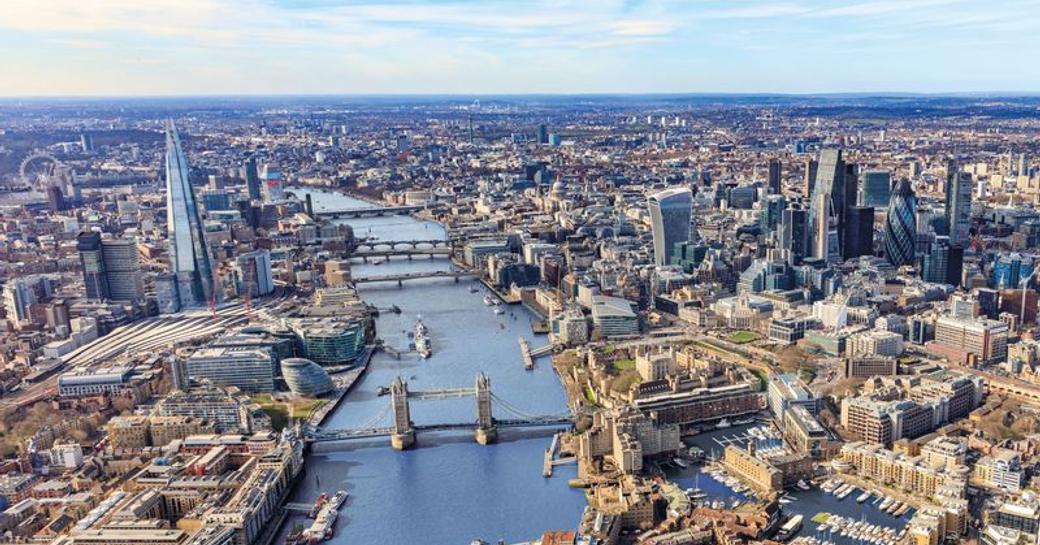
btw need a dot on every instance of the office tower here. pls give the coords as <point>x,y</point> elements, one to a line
<point>943,262</point>
<point>252,179</point>
<point>86,143</point>
<point>543,134</point>
<point>122,270</point>
<point>901,225</point>
<point>958,204</point>
<point>92,261</point>
<point>215,200</point>
<point>794,234</point>
<point>875,188</point>
<point>256,274</point>
<point>1023,168</point>
<point>670,212</point>
<point>19,295</point>
<point>110,268</point>
<point>858,232</point>
<point>189,255</point>
<point>774,176</point>
<point>772,212</point>
<point>827,206</point>
<point>55,199</point>
<point>811,167</point>
<point>272,178</point>
<point>1009,270</point>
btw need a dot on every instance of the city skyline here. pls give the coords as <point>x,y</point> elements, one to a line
<point>120,48</point>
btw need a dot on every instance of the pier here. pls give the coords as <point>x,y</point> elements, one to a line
<point>525,352</point>
<point>550,461</point>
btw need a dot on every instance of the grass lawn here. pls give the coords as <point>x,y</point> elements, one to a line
<point>281,412</point>
<point>742,337</point>
<point>622,365</point>
<point>590,396</point>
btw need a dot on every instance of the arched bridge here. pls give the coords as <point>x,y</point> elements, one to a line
<point>402,430</point>
<point>369,212</point>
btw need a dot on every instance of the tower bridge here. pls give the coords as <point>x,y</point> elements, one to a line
<point>402,431</point>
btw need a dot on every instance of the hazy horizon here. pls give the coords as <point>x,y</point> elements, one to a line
<point>167,48</point>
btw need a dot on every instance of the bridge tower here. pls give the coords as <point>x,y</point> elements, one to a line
<point>486,431</point>
<point>404,434</point>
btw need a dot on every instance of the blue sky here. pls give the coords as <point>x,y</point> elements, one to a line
<point>198,47</point>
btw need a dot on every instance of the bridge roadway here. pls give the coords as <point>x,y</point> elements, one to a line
<point>399,278</point>
<point>369,212</point>
<point>323,436</point>
<point>409,253</point>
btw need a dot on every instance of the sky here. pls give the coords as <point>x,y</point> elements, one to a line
<point>263,47</point>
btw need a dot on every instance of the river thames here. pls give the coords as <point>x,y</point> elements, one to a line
<point>448,489</point>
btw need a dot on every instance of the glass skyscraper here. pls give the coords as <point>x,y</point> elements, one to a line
<point>958,203</point>
<point>670,212</point>
<point>875,188</point>
<point>827,205</point>
<point>901,225</point>
<point>189,255</point>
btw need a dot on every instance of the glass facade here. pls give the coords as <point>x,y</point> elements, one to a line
<point>670,213</point>
<point>305,378</point>
<point>189,255</point>
<point>901,226</point>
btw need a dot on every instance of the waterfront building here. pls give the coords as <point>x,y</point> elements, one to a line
<point>875,187</point>
<point>901,225</point>
<point>1001,469</point>
<point>702,404</point>
<point>670,216</point>
<point>306,378</point>
<point>958,203</point>
<point>613,316</point>
<point>248,369</point>
<point>189,252</point>
<point>330,342</point>
<point>804,433</point>
<point>624,438</point>
<point>787,390</point>
<point>911,474</point>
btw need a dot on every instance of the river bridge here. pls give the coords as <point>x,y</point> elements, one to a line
<point>402,431</point>
<point>371,212</point>
<point>401,277</point>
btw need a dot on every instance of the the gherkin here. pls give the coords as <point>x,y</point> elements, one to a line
<point>901,225</point>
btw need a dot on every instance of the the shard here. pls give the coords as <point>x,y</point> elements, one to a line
<point>189,256</point>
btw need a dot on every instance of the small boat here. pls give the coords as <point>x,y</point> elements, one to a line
<point>382,391</point>
<point>802,485</point>
<point>680,462</point>
<point>318,504</point>
<point>863,497</point>
<point>785,500</point>
<point>887,503</point>
<point>723,424</point>
<point>744,421</point>
<point>489,301</point>
<point>499,311</point>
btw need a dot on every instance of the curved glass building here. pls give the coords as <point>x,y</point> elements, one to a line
<point>670,212</point>
<point>901,225</point>
<point>306,378</point>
